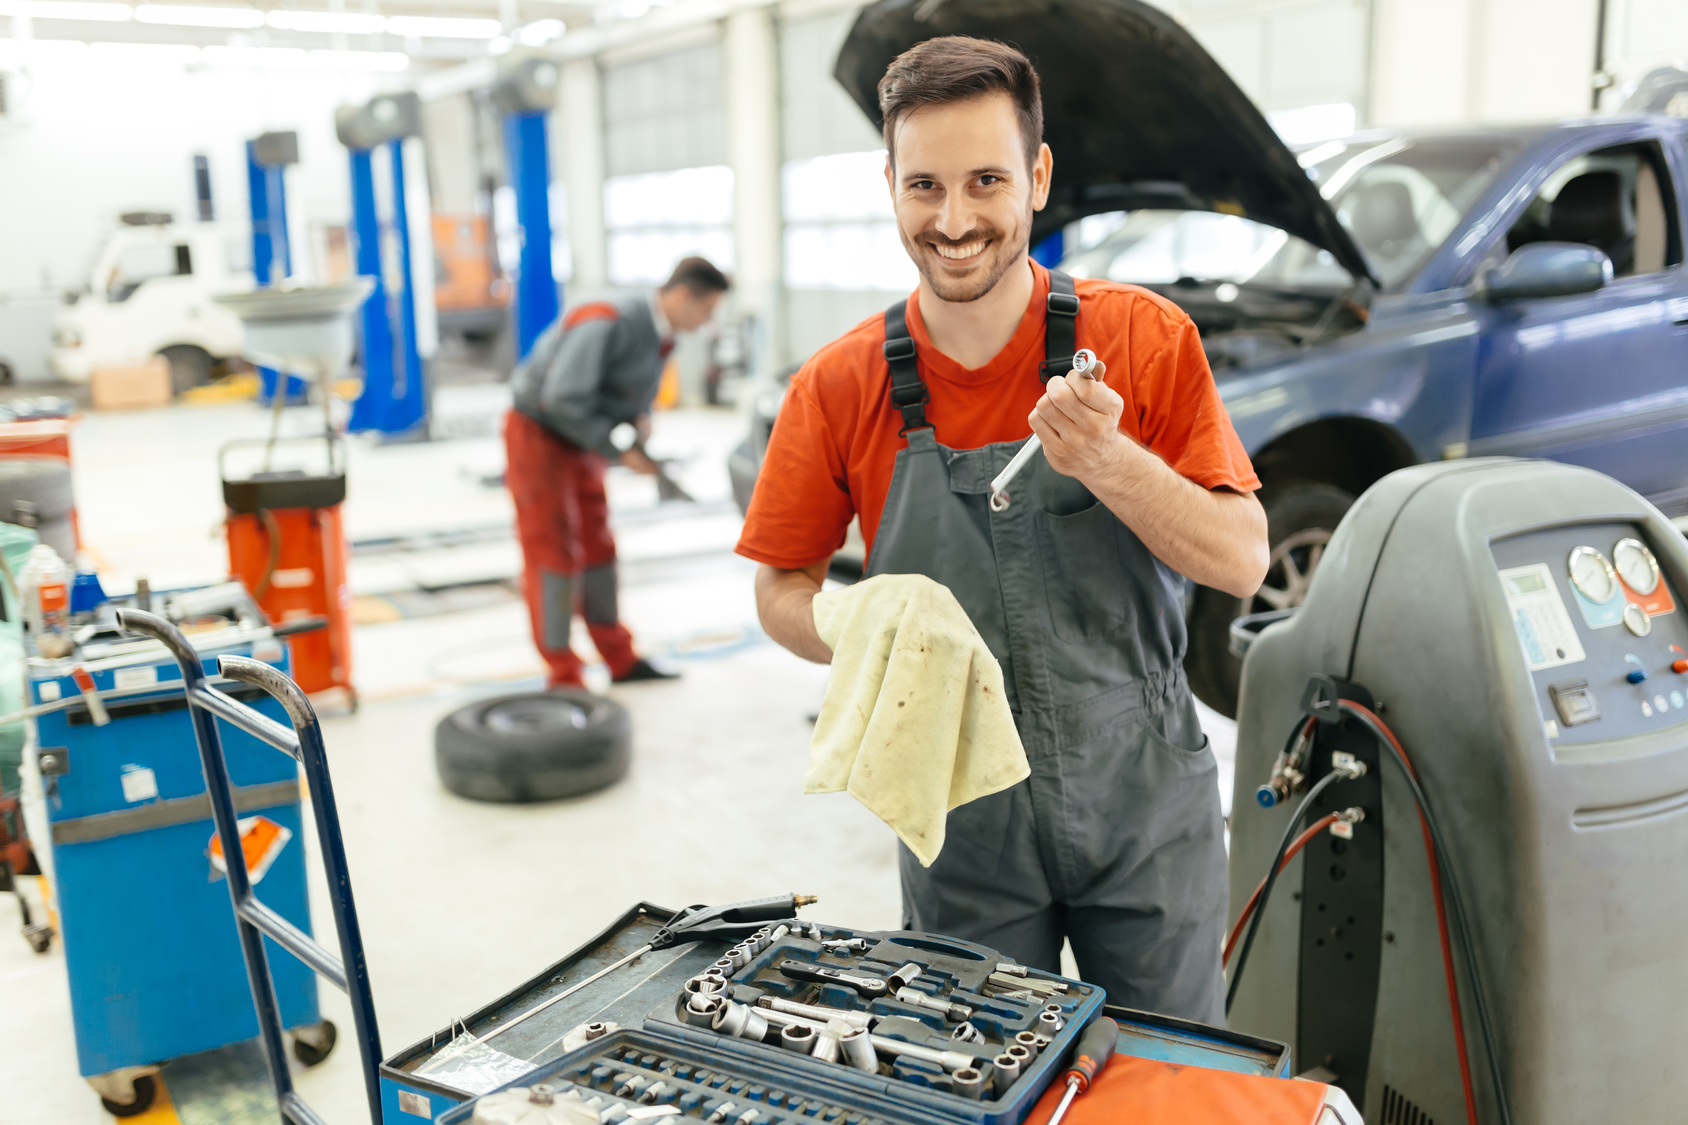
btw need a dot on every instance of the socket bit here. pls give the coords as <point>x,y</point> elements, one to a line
<point>737,1020</point>
<point>934,1004</point>
<point>816,1011</point>
<point>1050,1022</point>
<point>857,1047</point>
<point>906,975</point>
<point>1031,1041</point>
<point>654,1091</point>
<point>720,1114</point>
<point>1006,1070</point>
<point>704,986</point>
<point>799,1037</point>
<point>700,1010</point>
<point>967,1033</point>
<point>1018,1053</point>
<point>968,1082</point>
<point>827,1048</point>
<point>631,1084</point>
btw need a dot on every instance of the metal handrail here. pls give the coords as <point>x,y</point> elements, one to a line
<point>254,920</point>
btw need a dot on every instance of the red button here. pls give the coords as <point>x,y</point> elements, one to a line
<point>1680,667</point>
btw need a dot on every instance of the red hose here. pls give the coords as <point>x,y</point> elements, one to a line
<point>1441,913</point>
<point>1300,842</point>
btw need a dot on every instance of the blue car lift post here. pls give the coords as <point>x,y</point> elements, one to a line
<point>267,159</point>
<point>525,90</point>
<point>255,920</point>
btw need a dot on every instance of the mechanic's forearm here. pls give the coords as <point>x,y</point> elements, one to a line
<point>785,603</point>
<point>1214,538</point>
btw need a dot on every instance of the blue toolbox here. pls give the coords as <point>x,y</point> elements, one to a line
<point>125,830</point>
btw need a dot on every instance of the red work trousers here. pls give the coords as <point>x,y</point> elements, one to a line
<point>568,553</point>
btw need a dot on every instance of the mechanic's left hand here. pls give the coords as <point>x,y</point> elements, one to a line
<point>1077,419</point>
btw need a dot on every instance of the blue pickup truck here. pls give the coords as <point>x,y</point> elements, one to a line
<point>1368,303</point>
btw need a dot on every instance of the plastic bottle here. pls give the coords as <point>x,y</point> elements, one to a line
<point>46,601</point>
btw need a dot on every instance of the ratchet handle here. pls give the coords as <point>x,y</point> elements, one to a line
<point>1095,1047</point>
<point>863,984</point>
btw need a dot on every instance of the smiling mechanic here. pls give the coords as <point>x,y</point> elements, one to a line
<point>1115,842</point>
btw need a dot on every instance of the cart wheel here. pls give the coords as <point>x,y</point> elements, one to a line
<point>40,938</point>
<point>312,1044</point>
<point>146,1089</point>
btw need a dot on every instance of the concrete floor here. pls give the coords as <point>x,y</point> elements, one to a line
<point>458,900</point>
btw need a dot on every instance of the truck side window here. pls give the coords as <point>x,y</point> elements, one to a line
<point>139,264</point>
<point>1619,200</point>
<point>184,260</point>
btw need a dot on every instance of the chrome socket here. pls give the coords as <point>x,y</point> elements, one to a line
<point>704,986</point>
<point>737,1020</point>
<point>967,1033</point>
<point>1050,1022</point>
<point>596,1031</point>
<point>799,1037</point>
<point>1006,1069</point>
<point>1021,1055</point>
<point>1031,1041</point>
<point>857,1047</point>
<point>968,1082</point>
<point>827,1047</point>
<point>700,1009</point>
<point>905,976</point>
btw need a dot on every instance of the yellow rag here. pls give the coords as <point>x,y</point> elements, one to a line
<point>915,720</point>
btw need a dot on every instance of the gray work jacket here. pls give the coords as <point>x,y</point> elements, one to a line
<point>592,371</point>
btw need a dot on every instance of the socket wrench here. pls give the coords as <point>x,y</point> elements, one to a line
<point>817,1012</point>
<point>864,985</point>
<point>1086,364</point>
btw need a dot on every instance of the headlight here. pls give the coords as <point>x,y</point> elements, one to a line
<point>67,336</point>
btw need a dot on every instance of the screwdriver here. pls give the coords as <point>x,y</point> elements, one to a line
<point>1095,1048</point>
<point>737,920</point>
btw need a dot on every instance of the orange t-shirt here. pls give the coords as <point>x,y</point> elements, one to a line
<point>833,448</point>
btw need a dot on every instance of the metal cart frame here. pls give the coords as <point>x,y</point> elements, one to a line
<point>255,921</point>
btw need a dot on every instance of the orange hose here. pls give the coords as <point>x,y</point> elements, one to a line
<point>1300,842</point>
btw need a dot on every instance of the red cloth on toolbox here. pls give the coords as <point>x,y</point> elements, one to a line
<point>562,520</point>
<point>1151,1092</point>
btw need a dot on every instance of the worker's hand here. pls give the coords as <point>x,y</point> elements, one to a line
<point>642,427</point>
<point>1077,419</point>
<point>640,462</point>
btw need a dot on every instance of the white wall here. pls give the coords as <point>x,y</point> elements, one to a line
<point>107,130</point>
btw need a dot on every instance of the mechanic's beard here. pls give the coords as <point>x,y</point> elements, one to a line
<point>1000,258</point>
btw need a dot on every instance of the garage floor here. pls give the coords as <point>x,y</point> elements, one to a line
<point>458,900</point>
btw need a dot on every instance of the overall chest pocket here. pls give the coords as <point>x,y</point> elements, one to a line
<point>1084,572</point>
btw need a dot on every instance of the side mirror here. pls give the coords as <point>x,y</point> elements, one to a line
<point>1546,269</point>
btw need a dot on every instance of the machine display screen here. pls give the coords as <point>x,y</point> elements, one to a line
<point>1525,582</point>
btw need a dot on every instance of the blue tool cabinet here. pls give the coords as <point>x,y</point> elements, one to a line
<point>154,963</point>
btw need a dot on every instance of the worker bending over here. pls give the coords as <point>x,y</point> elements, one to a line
<point>589,381</point>
<point>1115,841</point>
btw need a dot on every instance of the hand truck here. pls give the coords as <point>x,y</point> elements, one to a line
<point>349,972</point>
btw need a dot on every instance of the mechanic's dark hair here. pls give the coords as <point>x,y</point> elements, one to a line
<point>955,68</point>
<point>699,275</point>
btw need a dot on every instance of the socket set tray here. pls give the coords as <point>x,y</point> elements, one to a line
<point>802,1022</point>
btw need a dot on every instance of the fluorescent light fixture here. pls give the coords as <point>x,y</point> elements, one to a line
<point>199,15</point>
<point>143,54</point>
<point>389,62</point>
<point>1313,123</point>
<point>347,23</point>
<point>67,10</point>
<point>266,57</point>
<point>443,27</point>
<point>539,32</point>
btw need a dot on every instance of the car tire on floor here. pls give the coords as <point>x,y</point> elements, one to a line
<point>535,746</point>
<point>1300,516</point>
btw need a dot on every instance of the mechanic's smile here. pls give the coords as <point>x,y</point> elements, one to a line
<point>962,252</point>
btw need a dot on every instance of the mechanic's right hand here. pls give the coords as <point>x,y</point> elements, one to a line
<point>639,461</point>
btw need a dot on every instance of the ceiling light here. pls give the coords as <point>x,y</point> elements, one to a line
<point>349,23</point>
<point>255,56</point>
<point>381,61</point>
<point>443,27</point>
<point>144,54</point>
<point>66,10</point>
<point>539,32</point>
<point>199,15</point>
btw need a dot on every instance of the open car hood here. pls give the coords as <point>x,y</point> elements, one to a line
<point>1137,113</point>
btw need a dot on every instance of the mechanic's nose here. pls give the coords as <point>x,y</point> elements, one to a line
<point>955,215</point>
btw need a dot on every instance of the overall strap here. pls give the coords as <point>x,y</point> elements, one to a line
<point>1060,327</point>
<point>908,393</point>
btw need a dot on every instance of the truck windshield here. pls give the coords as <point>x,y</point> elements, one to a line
<point>1399,199</point>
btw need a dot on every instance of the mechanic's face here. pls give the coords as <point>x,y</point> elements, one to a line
<point>687,311</point>
<point>963,194</point>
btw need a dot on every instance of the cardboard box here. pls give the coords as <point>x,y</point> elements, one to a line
<point>141,387</point>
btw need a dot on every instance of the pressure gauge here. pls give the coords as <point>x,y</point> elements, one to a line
<point>1636,620</point>
<point>1636,565</point>
<point>1593,575</point>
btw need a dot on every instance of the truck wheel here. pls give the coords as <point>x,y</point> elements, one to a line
<point>536,746</point>
<point>146,1089</point>
<point>1300,516</point>
<point>312,1044</point>
<point>190,366</point>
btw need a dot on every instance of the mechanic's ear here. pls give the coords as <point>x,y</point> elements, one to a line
<point>1043,170</point>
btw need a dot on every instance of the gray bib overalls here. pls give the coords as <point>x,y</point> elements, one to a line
<point>1116,841</point>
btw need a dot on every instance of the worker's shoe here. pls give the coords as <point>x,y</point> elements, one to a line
<point>642,670</point>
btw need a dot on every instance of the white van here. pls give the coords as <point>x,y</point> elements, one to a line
<point>149,293</point>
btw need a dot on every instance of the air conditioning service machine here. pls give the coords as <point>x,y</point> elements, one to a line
<point>1479,721</point>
